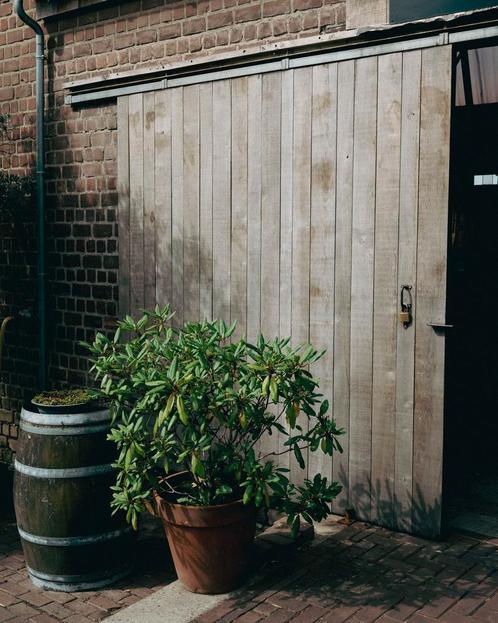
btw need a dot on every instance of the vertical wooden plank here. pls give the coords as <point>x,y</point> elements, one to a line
<point>254,207</point>
<point>162,176</point>
<point>386,288</point>
<point>177,185</point>
<point>149,245</point>
<point>342,297</point>
<point>191,267</point>
<point>238,270</point>
<point>221,198</point>
<point>431,288</point>
<point>136,131</point>
<point>206,201</point>
<point>322,277</point>
<point>301,187</point>
<point>407,274</point>
<point>365,120</point>
<point>124,206</point>
<point>270,205</point>
<point>286,173</point>
<point>270,219</point>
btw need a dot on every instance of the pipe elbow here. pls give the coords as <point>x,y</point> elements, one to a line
<point>29,21</point>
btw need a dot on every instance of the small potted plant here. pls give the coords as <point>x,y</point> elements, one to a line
<point>190,409</point>
<point>64,401</point>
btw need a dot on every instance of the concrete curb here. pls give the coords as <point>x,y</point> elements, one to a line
<point>171,604</point>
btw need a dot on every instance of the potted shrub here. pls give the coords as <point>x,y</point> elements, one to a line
<point>190,408</point>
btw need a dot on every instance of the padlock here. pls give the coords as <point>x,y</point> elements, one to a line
<point>404,317</point>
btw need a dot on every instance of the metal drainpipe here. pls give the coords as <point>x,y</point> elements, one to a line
<point>40,186</point>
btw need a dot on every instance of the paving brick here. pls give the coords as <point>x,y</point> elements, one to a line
<point>486,614</point>
<point>44,618</point>
<point>36,599</point>
<point>438,605</point>
<point>5,614</point>
<point>468,604</point>
<point>7,600</point>
<point>280,616</point>
<point>283,599</point>
<point>310,614</point>
<point>249,617</point>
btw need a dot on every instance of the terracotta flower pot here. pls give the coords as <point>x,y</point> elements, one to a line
<point>209,544</point>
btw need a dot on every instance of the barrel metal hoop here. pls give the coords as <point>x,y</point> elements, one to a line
<point>52,541</point>
<point>50,419</point>
<point>64,472</point>
<point>64,430</point>
<point>70,583</point>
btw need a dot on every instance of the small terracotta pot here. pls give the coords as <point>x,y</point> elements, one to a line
<point>209,544</point>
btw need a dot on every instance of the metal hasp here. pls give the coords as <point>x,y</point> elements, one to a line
<point>40,184</point>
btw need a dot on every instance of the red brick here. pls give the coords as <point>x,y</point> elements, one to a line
<point>124,41</point>
<point>146,36</point>
<point>247,14</point>
<point>219,20</point>
<point>194,26</point>
<point>304,5</point>
<point>170,32</point>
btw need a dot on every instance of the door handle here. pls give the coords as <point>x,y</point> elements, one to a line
<point>439,326</point>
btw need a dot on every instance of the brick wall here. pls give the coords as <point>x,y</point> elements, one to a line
<point>81,157</point>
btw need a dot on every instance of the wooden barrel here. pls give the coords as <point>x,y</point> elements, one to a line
<point>62,480</point>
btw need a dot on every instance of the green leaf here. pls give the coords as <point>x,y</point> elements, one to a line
<point>264,387</point>
<point>247,494</point>
<point>296,524</point>
<point>197,466</point>
<point>324,407</point>
<point>299,456</point>
<point>128,457</point>
<point>274,390</point>
<point>180,405</point>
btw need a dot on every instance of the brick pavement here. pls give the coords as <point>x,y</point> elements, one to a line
<point>20,602</point>
<point>355,574</point>
<point>362,574</point>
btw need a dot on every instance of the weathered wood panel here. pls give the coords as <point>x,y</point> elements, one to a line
<point>254,147</point>
<point>362,273</point>
<point>136,180</point>
<point>191,259</point>
<point>322,231</point>
<point>124,204</point>
<point>206,201</point>
<point>301,213</point>
<point>431,288</point>
<point>407,275</point>
<point>149,193</point>
<point>177,184</point>
<point>238,270</point>
<point>298,202</point>
<point>342,286</point>
<point>386,288</point>
<point>162,199</point>
<point>221,198</point>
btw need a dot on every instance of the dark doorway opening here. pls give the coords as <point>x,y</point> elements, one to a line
<point>471,415</point>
